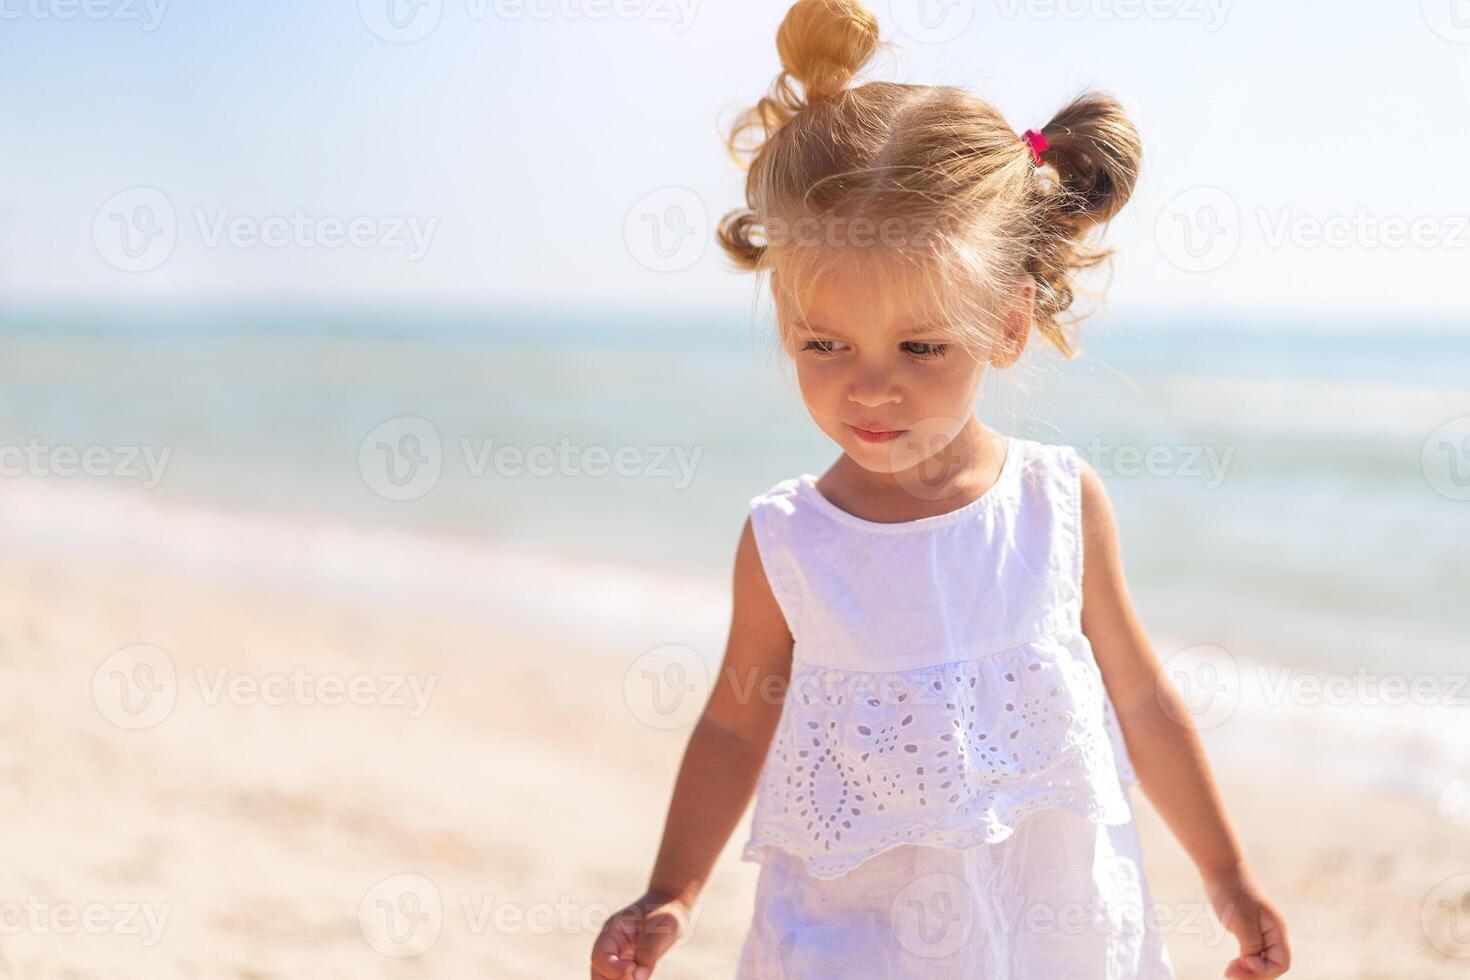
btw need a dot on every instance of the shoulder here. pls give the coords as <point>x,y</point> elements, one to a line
<point>1079,501</point>
<point>1074,493</point>
<point>1055,457</point>
<point>780,496</point>
<point>772,535</point>
<point>1099,526</point>
<point>1078,481</point>
<point>1049,471</point>
<point>773,511</point>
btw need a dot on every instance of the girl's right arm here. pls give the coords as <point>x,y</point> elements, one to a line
<point>718,775</point>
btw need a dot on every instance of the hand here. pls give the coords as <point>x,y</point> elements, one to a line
<point>1244,910</point>
<point>634,937</point>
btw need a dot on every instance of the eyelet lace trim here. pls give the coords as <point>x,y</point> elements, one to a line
<point>950,755</point>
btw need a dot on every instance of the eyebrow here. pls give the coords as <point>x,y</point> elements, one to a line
<point>926,328</point>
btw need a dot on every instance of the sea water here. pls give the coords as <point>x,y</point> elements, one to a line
<point>1269,477</point>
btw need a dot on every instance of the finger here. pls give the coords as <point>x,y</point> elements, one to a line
<point>1250,964</point>
<point>606,966</point>
<point>1248,931</point>
<point>660,931</point>
<point>1275,926</point>
<point>611,953</point>
<point>1242,968</point>
<point>1270,958</point>
<point>1277,953</point>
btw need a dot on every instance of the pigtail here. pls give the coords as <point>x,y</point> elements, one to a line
<point>1095,152</point>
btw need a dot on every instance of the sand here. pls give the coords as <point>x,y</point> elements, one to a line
<point>241,838</point>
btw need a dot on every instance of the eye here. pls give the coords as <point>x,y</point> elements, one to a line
<point>925,350</point>
<point>822,348</point>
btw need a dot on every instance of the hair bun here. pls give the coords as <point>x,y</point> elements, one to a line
<point>824,43</point>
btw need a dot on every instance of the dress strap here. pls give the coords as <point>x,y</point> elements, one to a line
<point>1053,484</point>
<point>773,520</point>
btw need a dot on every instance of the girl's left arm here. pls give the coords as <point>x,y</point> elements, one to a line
<point>1165,748</point>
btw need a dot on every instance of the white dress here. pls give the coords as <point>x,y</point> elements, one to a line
<point>945,795</point>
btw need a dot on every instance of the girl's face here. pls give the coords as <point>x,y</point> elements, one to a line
<point>885,386</point>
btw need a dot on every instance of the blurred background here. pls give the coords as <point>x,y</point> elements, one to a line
<point>377,408</point>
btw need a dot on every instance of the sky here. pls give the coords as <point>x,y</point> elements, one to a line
<point>1300,158</point>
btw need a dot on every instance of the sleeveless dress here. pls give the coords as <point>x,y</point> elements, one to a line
<point>945,795</point>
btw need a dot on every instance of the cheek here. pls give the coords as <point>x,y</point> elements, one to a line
<point>820,382</point>
<point>959,381</point>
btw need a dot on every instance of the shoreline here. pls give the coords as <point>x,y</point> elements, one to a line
<point>1370,732</point>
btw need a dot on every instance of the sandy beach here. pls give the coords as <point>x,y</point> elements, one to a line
<point>385,386</point>
<point>332,787</point>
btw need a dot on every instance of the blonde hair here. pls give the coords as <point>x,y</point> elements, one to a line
<point>924,180</point>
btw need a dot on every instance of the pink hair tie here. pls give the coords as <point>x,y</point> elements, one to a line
<point>1038,144</point>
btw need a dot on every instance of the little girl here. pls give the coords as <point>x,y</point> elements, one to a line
<point>935,683</point>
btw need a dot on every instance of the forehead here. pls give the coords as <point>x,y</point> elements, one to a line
<point>863,297</point>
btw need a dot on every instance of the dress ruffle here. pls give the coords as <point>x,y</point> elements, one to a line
<point>949,755</point>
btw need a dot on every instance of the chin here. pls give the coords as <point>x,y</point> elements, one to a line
<point>876,457</point>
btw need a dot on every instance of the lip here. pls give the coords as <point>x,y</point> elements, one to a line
<point>876,435</point>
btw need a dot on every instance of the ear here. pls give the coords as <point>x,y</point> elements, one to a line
<point>1017,327</point>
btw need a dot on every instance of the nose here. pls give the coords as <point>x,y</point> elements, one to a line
<point>872,387</point>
